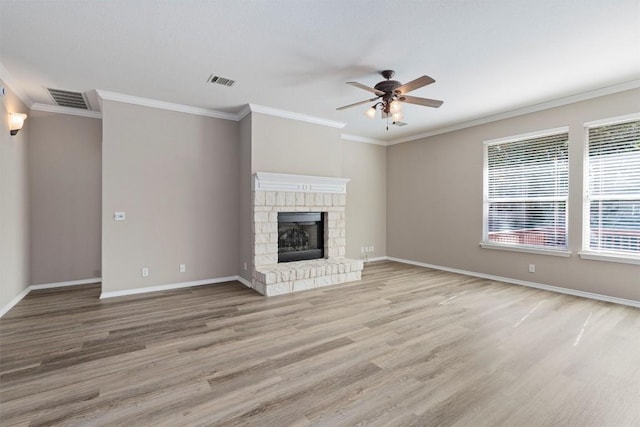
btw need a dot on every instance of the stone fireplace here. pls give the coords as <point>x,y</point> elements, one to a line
<point>301,201</point>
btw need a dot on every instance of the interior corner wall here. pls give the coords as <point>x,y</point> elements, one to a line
<point>64,156</point>
<point>14,203</point>
<point>245,260</point>
<point>366,166</point>
<point>435,202</point>
<point>175,175</point>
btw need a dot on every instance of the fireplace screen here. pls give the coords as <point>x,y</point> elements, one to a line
<point>300,236</point>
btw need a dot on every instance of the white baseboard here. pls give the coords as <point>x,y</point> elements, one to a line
<point>68,283</point>
<point>244,281</point>
<point>379,258</point>
<point>14,301</point>
<point>24,293</point>
<point>169,286</point>
<point>103,295</point>
<point>542,286</point>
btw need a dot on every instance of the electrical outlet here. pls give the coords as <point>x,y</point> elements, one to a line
<point>370,249</point>
<point>532,268</point>
<point>119,216</point>
<point>145,271</point>
<point>183,268</point>
<point>245,265</point>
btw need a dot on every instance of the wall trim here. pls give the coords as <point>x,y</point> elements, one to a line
<point>609,90</point>
<point>265,181</point>
<point>244,112</point>
<point>295,116</point>
<point>167,287</point>
<point>162,105</point>
<point>66,110</point>
<point>557,289</point>
<point>14,301</point>
<point>609,257</point>
<point>244,282</point>
<point>612,120</point>
<point>526,249</point>
<point>67,283</point>
<point>26,291</point>
<point>363,139</point>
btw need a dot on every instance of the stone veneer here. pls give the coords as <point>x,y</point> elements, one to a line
<point>313,194</point>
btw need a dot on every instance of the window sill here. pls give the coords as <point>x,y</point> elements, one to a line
<point>601,256</point>
<point>526,249</point>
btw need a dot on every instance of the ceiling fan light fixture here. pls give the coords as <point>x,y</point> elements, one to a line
<point>371,112</point>
<point>395,106</point>
<point>397,116</point>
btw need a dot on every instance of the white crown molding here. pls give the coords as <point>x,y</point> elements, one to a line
<point>295,116</point>
<point>542,286</point>
<point>263,181</point>
<point>167,287</point>
<point>634,84</point>
<point>357,138</point>
<point>162,105</point>
<point>5,76</point>
<point>244,112</point>
<point>66,110</point>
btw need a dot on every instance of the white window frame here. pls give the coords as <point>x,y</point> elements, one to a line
<point>587,252</point>
<point>540,250</point>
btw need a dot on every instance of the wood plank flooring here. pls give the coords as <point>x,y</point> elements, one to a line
<point>405,346</point>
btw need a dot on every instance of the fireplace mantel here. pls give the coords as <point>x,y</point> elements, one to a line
<point>264,181</point>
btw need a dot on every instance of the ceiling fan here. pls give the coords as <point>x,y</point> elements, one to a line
<point>390,94</point>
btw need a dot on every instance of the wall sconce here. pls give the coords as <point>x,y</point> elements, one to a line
<point>16,120</point>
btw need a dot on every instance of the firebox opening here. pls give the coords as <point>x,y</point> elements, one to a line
<point>300,236</point>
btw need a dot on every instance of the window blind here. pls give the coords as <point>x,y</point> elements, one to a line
<point>526,191</point>
<point>613,188</point>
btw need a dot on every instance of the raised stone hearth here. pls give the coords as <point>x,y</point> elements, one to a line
<point>273,193</point>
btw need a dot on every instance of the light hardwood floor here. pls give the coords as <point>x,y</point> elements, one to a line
<point>405,346</point>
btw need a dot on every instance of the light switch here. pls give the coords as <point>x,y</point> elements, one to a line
<point>118,216</point>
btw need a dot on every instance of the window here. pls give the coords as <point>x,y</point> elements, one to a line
<point>612,188</point>
<point>526,187</point>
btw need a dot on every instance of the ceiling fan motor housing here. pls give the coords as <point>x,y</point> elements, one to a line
<point>388,87</point>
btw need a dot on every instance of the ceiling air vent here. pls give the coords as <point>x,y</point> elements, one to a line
<point>220,80</point>
<point>65,98</point>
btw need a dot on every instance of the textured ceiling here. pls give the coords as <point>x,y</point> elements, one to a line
<point>487,57</point>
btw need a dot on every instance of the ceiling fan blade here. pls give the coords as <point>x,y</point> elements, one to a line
<point>420,101</point>
<point>414,84</point>
<point>344,107</point>
<point>367,88</point>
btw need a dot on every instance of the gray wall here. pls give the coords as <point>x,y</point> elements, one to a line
<point>435,202</point>
<point>64,157</point>
<point>14,203</point>
<point>366,166</point>
<point>282,145</point>
<point>246,203</point>
<point>176,177</point>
